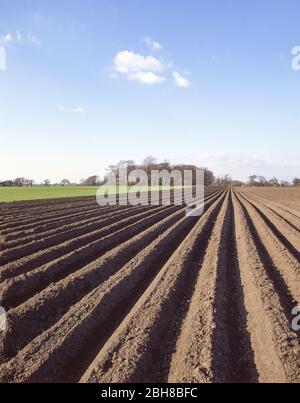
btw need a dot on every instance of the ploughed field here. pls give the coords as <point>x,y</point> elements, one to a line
<point>145,294</point>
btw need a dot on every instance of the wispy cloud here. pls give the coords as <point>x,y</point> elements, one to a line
<point>77,109</point>
<point>32,38</point>
<point>153,45</point>
<point>42,20</point>
<point>241,166</point>
<point>180,81</point>
<point>17,38</point>
<point>254,161</point>
<point>10,38</point>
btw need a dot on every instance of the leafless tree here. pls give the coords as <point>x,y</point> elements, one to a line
<point>296,182</point>
<point>262,181</point>
<point>93,180</point>
<point>274,182</point>
<point>20,182</point>
<point>252,180</point>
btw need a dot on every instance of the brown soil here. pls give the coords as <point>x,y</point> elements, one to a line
<point>144,294</point>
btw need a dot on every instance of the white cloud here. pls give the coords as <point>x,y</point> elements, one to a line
<point>180,81</point>
<point>139,68</point>
<point>31,38</point>
<point>7,38</point>
<point>127,62</point>
<point>245,161</point>
<point>154,45</point>
<point>17,38</point>
<point>147,77</point>
<point>145,69</point>
<point>77,109</point>
<point>241,166</point>
<point>10,38</point>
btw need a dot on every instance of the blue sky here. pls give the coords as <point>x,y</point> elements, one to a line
<point>88,83</point>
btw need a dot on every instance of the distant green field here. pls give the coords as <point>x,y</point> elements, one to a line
<point>10,194</point>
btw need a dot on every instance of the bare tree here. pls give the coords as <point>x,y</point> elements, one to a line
<point>65,182</point>
<point>20,182</point>
<point>227,179</point>
<point>262,181</point>
<point>29,182</point>
<point>92,181</point>
<point>149,164</point>
<point>252,180</point>
<point>296,182</point>
<point>274,182</point>
<point>47,182</point>
<point>165,165</point>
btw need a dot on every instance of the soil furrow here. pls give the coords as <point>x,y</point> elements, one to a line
<point>71,289</point>
<point>286,233</point>
<point>61,225</point>
<point>213,345</point>
<point>274,344</point>
<point>96,244</point>
<point>64,229</point>
<point>137,349</point>
<point>290,218</point>
<point>283,267</point>
<point>68,328</point>
<point>92,230</point>
<point>147,293</point>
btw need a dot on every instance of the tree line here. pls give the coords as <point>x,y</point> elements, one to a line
<point>261,181</point>
<point>150,164</point>
<point>24,182</point>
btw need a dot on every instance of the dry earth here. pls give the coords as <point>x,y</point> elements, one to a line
<point>144,294</point>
